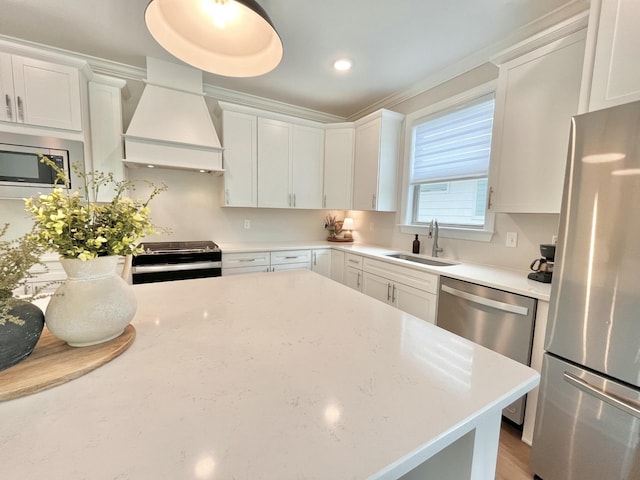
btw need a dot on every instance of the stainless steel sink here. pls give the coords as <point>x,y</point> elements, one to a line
<point>422,260</point>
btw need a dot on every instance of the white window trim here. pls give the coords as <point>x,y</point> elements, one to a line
<point>480,235</point>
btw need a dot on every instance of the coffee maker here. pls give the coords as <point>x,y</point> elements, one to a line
<point>543,267</point>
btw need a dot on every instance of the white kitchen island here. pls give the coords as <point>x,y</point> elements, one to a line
<point>284,375</point>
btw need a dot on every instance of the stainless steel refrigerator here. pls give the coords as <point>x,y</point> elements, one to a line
<point>588,419</point>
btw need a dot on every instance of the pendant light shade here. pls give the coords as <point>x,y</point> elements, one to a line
<point>234,38</point>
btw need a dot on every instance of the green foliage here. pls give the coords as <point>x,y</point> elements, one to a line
<point>75,227</point>
<point>16,258</point>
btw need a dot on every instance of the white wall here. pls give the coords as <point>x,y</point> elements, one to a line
<point>191,208</point>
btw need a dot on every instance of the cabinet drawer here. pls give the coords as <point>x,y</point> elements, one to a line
<point>291,256</point>
<point>419,279</point>
<point>245,259</point>
<point>240,270</point>
<point>354,261</point>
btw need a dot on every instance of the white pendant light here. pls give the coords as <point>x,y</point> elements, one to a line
<point>234,38</point>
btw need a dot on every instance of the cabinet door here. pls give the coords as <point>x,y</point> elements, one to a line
<point>274,154</point>
<point>47,94</point>
<point>240,157</point>
<point>338,168</point>
<point>365,169</point>
<point>337,266</point>
<point>8,108</point>
<point>353,278</point>
<point>536,97</point>
<point>414,301</point>
<point>307,167</point>
<point>377,287</point>
<point>105,116</point>
<point>321,262</point>
<point>616,74</point>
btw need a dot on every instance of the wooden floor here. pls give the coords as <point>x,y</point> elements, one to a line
<point>513,455</point>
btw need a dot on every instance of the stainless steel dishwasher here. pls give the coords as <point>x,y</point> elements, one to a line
<point>495,319</point>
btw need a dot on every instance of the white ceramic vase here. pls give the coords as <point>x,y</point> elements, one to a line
<point>93,305</point>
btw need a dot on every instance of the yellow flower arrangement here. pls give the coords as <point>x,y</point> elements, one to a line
<point>75,227</point>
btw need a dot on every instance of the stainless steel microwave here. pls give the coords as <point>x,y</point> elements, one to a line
<point>21,172</point>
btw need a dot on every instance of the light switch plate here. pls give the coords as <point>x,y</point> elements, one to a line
<point>512,239</point>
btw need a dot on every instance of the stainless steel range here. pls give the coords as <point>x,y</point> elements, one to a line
<point>167,261</point>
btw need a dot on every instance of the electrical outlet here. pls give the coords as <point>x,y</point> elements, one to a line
<point>512,239</point>
<point>247,224</point>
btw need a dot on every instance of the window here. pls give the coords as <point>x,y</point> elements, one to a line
<point>450,165</point>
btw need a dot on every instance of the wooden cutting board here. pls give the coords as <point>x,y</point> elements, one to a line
<point>53,363</point>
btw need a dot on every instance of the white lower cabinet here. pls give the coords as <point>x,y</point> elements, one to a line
<point>254,262</point>
<point>321,261</point>
<point>337,265</point>
<point>412,291</point>
<point>353,271</point>
<point>245,262</point>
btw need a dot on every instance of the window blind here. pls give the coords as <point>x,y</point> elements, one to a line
<point>454,145</point>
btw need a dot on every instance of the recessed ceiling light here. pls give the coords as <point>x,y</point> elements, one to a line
<point>342,64</point>
<point>151,166</point>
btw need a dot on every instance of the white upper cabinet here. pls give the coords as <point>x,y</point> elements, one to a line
<point>39,93</point>
<point>536,96</point>
<point>307,165</point>
<point>614,53</point>
<point>338,168</point>
<point>290,165</point>
<point>376,161</point>
<point>240,156</point>
<point>274,163</point>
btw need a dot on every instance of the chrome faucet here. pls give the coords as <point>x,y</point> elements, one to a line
<point>435,249</point>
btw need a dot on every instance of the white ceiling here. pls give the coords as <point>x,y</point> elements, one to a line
<point>396,45</point>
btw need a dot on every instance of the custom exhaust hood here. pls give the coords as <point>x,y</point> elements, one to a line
<point>171,126</point>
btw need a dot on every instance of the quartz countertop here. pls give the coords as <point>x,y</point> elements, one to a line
<point>514,281</point>
<point>282,375</point>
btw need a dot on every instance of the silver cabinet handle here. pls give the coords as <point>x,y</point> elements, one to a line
<point>393,294</point>
<point>487,302</point>
<point>358,283</point>
<point>626,405</point>
<point>7,102</point>
<point>292,257</point>
<point>175,267</point>
<point>489,198</point>
<point>20,109</point>
<point>294,199</point>
<point>246,259</point>
<point>388,292</point>
<point>353,261</point>
<point>315,259</point>
<point>324,201</point>
<point>373,201</point>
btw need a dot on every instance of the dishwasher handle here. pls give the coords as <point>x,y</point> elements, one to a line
<point>487,302</point>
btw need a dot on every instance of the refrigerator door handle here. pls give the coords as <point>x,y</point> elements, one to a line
<point>622,404</point>
<point>487,302</point>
